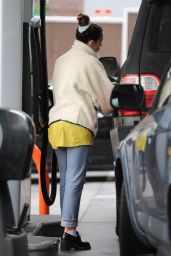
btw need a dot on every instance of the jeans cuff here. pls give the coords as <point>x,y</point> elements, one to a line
<point>69,223</point>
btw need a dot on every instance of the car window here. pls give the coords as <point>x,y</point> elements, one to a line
<point>161,29</point>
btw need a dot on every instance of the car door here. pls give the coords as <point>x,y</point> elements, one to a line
<point>153,150</point>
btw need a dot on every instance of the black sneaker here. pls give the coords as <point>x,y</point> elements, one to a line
<point>69,242</point>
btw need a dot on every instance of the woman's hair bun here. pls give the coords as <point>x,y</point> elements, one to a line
<point>83,20</point>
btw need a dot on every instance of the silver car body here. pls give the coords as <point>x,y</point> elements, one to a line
<point>145,155</point>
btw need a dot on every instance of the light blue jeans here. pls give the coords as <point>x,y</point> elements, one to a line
<point>72,167</point>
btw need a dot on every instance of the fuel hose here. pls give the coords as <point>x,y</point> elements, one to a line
<point>49,199</point>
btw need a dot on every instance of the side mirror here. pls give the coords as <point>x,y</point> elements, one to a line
<point>112,68</point>
<point>128,97</point>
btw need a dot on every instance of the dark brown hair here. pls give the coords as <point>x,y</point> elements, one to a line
<point>94,32</point>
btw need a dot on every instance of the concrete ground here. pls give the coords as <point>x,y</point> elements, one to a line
<point>96,218</point>
<point>97,215</point>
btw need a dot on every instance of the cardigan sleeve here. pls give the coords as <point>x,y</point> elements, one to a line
<point>100,87</point>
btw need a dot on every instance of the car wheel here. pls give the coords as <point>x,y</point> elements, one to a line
<point>129,243</point>
<point>117,218</point>
<point>118,186</point>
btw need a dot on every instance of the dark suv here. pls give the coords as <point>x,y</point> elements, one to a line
<point>148,56</point>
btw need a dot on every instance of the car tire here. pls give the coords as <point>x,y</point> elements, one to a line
<point>130,245</point>
<point>117,218</point>
<point>118,186</point>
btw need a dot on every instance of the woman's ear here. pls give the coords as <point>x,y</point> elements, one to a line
<point>91,43</point>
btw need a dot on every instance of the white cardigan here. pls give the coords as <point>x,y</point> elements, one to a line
<point>80,88</point>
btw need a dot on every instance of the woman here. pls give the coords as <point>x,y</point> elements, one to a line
<point>80,89</point>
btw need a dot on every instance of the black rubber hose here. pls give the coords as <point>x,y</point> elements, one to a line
<point>49,200</point>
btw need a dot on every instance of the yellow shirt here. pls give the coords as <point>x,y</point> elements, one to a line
<point>65,134</point>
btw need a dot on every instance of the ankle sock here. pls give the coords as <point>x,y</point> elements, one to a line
<point>72,232</point>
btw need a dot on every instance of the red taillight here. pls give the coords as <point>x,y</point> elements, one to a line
<point>150,84</point>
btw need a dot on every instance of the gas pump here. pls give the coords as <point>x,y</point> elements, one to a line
<point>12,16</point>
<point>35,90</point>
<point>23,80</point>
